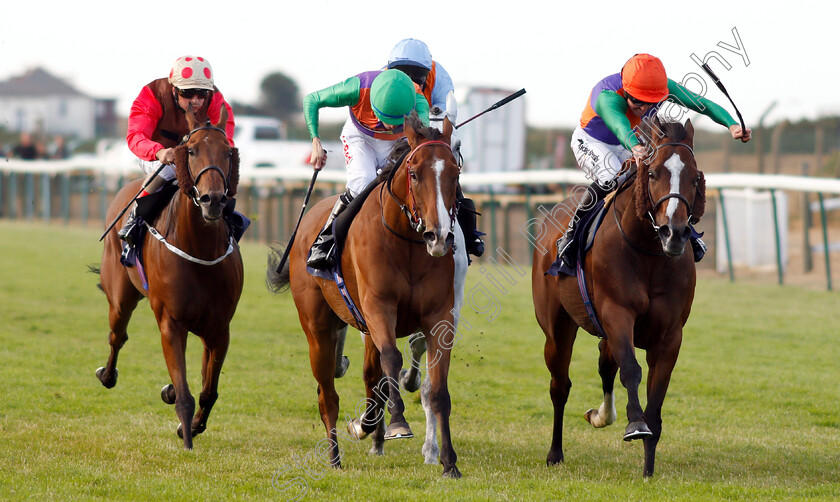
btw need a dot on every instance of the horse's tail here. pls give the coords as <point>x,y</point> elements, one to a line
<point>96,269</point>
<point>277,281</point>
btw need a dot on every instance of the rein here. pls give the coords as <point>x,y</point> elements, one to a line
<point>414,220</point>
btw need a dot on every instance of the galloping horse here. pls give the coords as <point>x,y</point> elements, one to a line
<point>395,273</point>
<point>641,285</point>
<point>196,290</point>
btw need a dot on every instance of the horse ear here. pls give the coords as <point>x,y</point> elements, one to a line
<point>234,172</point>
<point>223,116</point>
<point>447,129</point>
<point>192,123</point>
<point>411,124</point>
<point>689,132</point>
<point>182,169</point>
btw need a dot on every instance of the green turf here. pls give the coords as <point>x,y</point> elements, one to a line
<point>752,411</point>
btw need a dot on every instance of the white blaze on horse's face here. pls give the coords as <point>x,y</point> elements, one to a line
<point>675,166</point>
<point>439,246</point>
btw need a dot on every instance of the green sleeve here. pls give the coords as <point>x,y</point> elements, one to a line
<point>612,108</point>
<point>342,94</point>
<point>422,108</point>
<point>688,99</point>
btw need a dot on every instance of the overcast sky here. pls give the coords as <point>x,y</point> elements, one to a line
<point>556,50</point>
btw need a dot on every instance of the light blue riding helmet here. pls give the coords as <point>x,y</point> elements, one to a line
<point>411,52</point>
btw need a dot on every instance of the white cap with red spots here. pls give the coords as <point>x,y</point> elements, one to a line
<point>191,72</point>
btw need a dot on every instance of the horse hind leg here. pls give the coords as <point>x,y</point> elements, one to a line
<point>411,378</point>
<point>342,362</point>
<point>430,450</point>
<point>607,368</point>
<point>121,304</point>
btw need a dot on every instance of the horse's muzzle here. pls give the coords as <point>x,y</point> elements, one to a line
<point>673,238</point>
<point>438,242</point>
<point>212,204</point>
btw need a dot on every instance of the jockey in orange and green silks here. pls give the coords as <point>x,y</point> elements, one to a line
<point>617,105</point>
<point>606,137</point>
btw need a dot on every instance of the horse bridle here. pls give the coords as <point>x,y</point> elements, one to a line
<point>670,195</point>
<point>414,220</point>
<point>225,179</point>
<point>679,197</point>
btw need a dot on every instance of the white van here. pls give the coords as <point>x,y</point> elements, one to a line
<point>263,147</point>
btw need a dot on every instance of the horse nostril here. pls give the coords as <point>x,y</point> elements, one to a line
<point>664,232</point>
<point>686,233</point>
<point>223,200</point>
<point>204,199</point>
<point>429,236</point>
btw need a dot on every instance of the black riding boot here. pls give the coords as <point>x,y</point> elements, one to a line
<point>698,247</point>
<point>592,195</point>
<point>320,256</point>
<point>467,219</point>
<point>130,223</point>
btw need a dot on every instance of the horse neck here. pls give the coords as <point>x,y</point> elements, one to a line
<point>391,209</point>
<point>192,233</point>
<point>637,229</point>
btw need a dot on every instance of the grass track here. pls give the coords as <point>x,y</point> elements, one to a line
<point>751,414</point>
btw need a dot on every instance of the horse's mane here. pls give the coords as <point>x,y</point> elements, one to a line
<point>676,132</point>
<point>401,147</point>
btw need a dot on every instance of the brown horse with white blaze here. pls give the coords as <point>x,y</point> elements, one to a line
<point>641,285</point>
<point>194,273</point>
<point>398,268</point>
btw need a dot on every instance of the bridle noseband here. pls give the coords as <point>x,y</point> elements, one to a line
<point>225,179</point>
<point>414,219</point>
<point>670,195</point>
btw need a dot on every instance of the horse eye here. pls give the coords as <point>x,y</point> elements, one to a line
<point>190,151</point>
<point>413,175</point>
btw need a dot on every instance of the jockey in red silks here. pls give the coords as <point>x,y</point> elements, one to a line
<point>157,121</point>
<point>606,136</point>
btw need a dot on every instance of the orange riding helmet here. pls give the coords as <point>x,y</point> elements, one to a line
<point>643,77</point>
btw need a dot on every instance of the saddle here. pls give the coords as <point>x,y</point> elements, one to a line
<point>582,239</point>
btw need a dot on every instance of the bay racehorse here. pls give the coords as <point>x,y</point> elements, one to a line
<point>641,286</point>
<point>194,291</point>
<point>398,270</point>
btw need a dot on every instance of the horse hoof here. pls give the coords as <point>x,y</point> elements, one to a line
<point>354,428</point>
<point>410,385</point>
<point>452,472</point>
<point>167,393</point>
<point>180,431</point>
<point>636,430</point>
<point>554,458</point>
<point>399,430</point>
<point>341,368</point>
<point>109,383</point>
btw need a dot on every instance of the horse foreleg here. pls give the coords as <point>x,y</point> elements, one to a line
<point>174,342</point>
<point>430,450</point>
<point>440,403</point>
<point>620,341</point>
<point>372,419</point>
<point>389,388</point>
<point>215,351</point>
<point>411,378</point>
<point>605,414</point>
<point>661,362</point>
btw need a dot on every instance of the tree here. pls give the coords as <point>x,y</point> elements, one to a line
<point>279,96</point>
